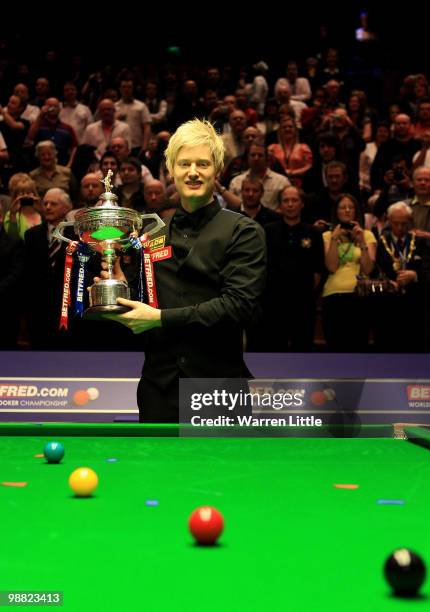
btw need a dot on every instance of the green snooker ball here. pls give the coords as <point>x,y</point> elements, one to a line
<point>54,452</point>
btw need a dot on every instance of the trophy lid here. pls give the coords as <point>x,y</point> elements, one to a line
<point>107,199</point>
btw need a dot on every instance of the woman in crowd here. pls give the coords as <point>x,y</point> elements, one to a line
<point>349,251</point>
<point>295,157</point>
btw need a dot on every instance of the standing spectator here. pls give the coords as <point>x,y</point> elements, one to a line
<point>299,86</point>
<point>49,173</point>
<point>100,133</point>
<point>251,206</point>
<point>73,112</point>
<point>42,88</point>
<point>136,115</point>
<point>295,158</point>
<point>30,111</point>
<point>14,130</point>
<point>157,107</point>
<point>368,155</point>
<point>273,182</point>
<point>295,261</point>
<point>49,127</point>
<point>11,286</point>
<point>349,251</point>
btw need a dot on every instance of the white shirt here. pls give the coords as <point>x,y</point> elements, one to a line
<point>95,136</point>
<point>135,114</point>
<point>300,90</point>
<point>426,162</point>
<point>3,146</point>
<point>273,184</point>
<point>31,113</point>
<point>78,116</point>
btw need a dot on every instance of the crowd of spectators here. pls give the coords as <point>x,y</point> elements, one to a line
<point>340,183</point>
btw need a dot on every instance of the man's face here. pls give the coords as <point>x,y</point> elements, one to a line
<point>327,152</point>
<point>14,106</point>
<point>109,163</point>
<point>332,88</point>
<point>241,98</point>
<point>402,125</point>
<point>382,134</point>
<point>194,174</point>
<point>21,90</point>
<point>54,208</point>
<point>257,158</point>
<point>291,204</point>
<point>422,182</point>
<point>46,156</point>
<point>251,194</point>
<point>213,75</point>
<point>211,99</point>
<point>42,87</point>
<point>91,189</point>
<point>120,147</point>
<point>53,108</point>
<point>107,111</point>
<point>126,89</point>
<point>230,103</point>
<point>400,223</point>
<point>250,135</point>
<point>284,94</point>
<point>129,174</point>
<point>424,112</point>
<point>238,122</point>
<point>70,92</point>
<point>335,179</point>
<point>292,71</point>
<point>154,194</point>
<point>151,90</point>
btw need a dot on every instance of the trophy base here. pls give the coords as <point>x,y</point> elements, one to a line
<point>98,312</point>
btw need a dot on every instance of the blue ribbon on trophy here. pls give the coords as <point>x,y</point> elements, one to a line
<point>136,244</point>
<point>83,258</point>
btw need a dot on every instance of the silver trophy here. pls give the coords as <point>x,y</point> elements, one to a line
<point>107,228</point>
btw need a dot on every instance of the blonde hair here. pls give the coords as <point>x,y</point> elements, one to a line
<point>21,183</point>
<point>195,133</point>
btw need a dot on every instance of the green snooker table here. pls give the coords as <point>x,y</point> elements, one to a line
<point>292,540</point>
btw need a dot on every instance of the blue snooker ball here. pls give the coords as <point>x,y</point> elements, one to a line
<point>54,452</point>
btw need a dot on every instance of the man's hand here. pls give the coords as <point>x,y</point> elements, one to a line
<point>404,277</point>
<point>140,318</point>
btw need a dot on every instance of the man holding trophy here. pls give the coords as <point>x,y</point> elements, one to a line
<point>204,275</point>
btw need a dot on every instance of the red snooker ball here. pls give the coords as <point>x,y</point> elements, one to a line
<point>206,525</point>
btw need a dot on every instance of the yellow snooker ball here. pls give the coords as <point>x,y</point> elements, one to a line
<point>83,481</point>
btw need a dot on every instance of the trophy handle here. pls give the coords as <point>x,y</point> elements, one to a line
<point>57,231</point>
<point>153,228</point>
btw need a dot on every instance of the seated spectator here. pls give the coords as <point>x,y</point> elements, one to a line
<point>49,173</point>
<point>422,126</point>
<point>295,158</point>
<point>422,157</point>
<point>109,161</point>
<point>24,212</point>
<point>273,182</point>
<point>349,251</point>
<point>91,189</point>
